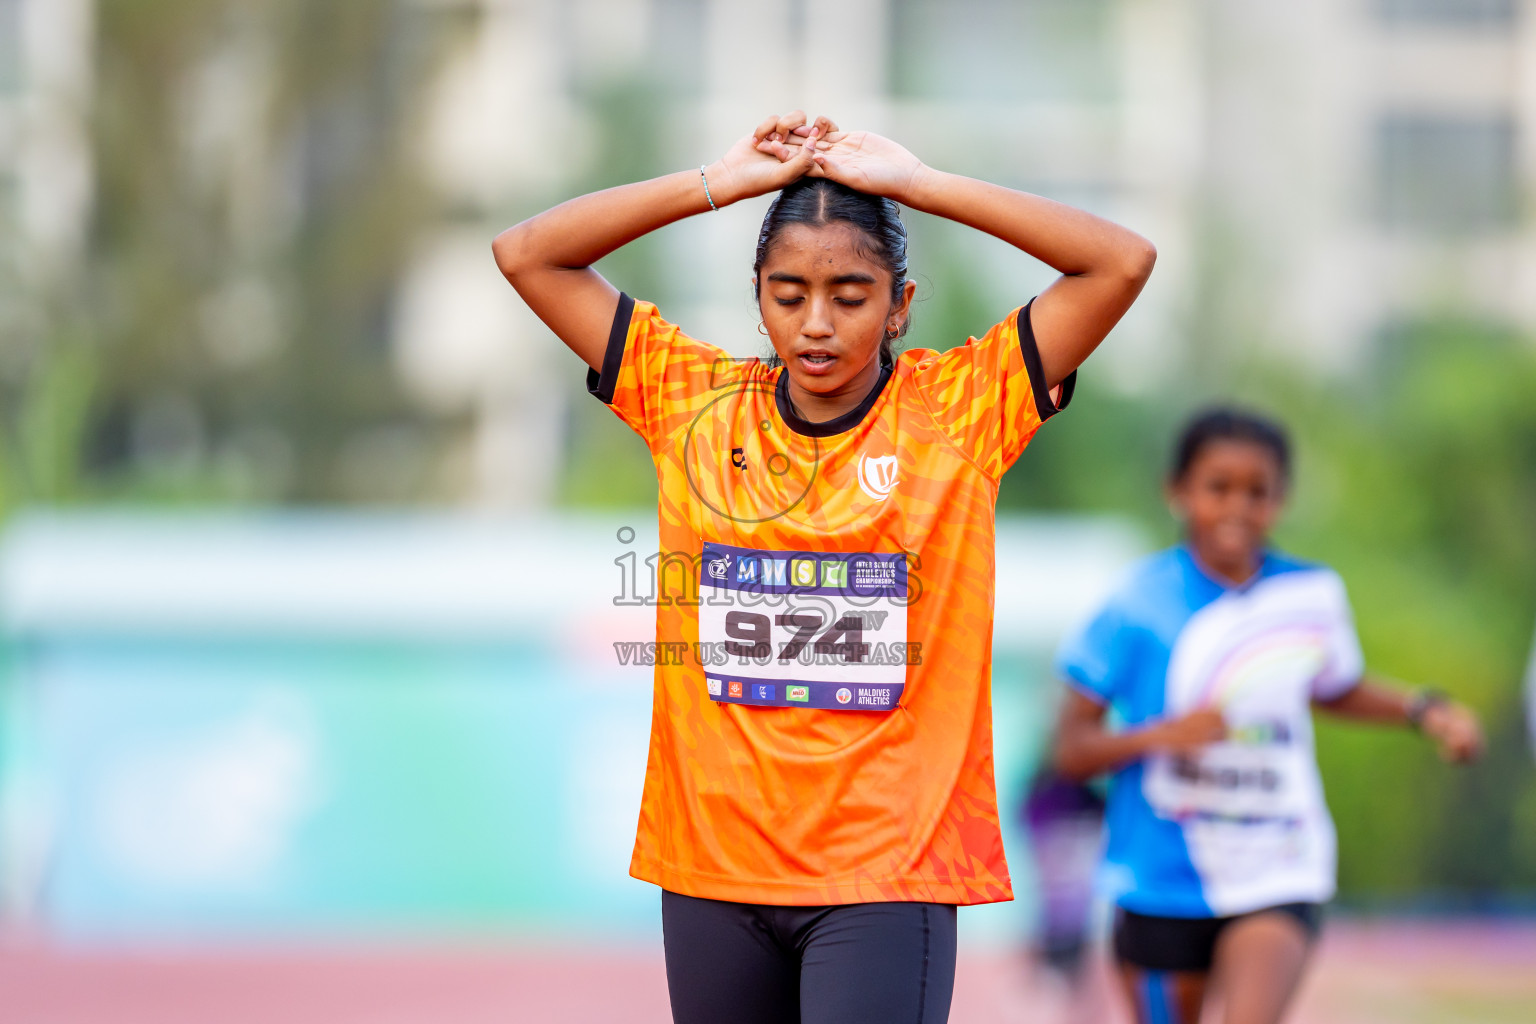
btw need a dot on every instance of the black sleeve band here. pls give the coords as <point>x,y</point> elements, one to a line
<point>1031,352</point>
<point>601,385</point>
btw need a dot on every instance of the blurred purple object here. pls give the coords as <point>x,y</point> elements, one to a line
<point>1065,820</point>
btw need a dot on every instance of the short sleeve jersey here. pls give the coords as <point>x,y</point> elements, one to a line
<point>1241,825</point>
<point>822,721</point>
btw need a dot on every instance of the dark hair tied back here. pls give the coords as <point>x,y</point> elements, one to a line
<point>1229,424</point>
<point>818,201</point>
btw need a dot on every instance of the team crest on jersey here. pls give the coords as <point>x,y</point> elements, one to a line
<point>877,476</point>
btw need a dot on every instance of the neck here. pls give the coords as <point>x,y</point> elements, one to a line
<point>829,405</point>
<point>1233,570</point>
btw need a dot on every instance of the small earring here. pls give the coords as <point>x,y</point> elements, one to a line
<point>891,330</point>
<point>762,328</point>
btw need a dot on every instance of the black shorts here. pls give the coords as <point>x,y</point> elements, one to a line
<point>1189,943</point>
<point>861,963</point>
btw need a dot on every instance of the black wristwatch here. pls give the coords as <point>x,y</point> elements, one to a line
<point>1419,704</point>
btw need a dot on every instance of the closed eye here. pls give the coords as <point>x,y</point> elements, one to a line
<point>790,302</point>
<point>849,302</point>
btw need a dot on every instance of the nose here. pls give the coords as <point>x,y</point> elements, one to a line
<point>818,319</point>
<point>1245,504</point>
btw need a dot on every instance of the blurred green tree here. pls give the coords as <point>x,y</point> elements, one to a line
<point>607,465</point>
<point>225,337</point>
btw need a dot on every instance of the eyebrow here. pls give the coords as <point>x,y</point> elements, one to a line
<point>855,278</point>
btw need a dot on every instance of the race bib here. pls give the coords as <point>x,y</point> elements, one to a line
<point>1243,809</point>
<point>1232,781</point>
<point>804,629</point>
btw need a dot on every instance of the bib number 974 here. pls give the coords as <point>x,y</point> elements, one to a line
<point>751,636</point>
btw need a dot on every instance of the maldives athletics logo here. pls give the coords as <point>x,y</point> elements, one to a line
<point>877,476</point>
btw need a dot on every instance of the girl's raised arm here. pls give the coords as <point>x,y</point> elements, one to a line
<point>548,258</point>
<point>1103,265</point>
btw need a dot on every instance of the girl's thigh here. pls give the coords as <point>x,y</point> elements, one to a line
<point>1260,959</point>
<point>878,963</point>
<point>724,963</point>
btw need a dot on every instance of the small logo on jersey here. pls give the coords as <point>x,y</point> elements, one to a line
<point>746,569</point>
<point>775,571</point>
<point>739,458</point>
<point>798,693</point>
<point>763,691</point>
<point>713,684</point>
<point>733,688</point>
<point>844,695</point>
<point>718,567</point>
<point>802,572</point>
<point>880,698</point>
<point>877,475</point>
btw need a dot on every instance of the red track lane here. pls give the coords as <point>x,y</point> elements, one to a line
<point>1384,973</point>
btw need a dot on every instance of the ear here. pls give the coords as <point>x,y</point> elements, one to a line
<point>902,307</point>
<point>1173,494</point>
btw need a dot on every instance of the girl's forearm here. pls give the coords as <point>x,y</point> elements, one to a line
<point>581,231</point>
<point>1453,727</point>
<point>1069,240</point>
<point>1089,750</point>
<point>1372,701</point>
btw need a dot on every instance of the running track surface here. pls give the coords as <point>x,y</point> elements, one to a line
<point>1417,972</point>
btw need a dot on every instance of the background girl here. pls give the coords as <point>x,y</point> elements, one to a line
<point>819,794</point>
<point>1221,850</point>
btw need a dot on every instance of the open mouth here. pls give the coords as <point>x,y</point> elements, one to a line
<point>815,361</point>
<point>1235,532</point>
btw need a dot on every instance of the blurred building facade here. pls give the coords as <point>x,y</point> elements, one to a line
<point>45,158</point>
<point>1069,99</point>
<point>1365,166</point>
<point>1315,174</point>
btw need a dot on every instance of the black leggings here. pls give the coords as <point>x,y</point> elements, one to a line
<point>862,963</point>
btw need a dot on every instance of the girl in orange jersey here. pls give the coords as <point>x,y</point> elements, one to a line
<point>819,794</point>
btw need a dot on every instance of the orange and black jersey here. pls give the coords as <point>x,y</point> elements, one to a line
<point>828,739</point>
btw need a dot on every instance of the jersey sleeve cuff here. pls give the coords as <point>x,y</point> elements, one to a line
<point>1335,689</point>
<point>601,385</point>
<point>1083,688</point>
<point>1031,352</point>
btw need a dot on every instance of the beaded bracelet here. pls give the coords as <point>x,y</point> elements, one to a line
<point>711,198</point>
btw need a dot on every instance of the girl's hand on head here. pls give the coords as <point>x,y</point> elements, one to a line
<point>861,160</point>
<point>764,161</point>
<point>1455,730</point>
